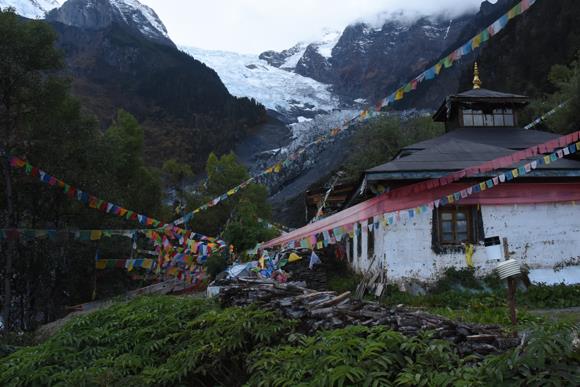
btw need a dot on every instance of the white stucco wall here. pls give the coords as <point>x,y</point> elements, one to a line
<point>541,236</point>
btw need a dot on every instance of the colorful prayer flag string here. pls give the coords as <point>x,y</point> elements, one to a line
<point>105,206</point>
<point>429,74</point>
<point>559,148</point>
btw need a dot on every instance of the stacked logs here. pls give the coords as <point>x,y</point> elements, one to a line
<point>328,310</point>
<point>315,278</point>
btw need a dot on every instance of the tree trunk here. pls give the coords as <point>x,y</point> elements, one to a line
<point>10,250</point>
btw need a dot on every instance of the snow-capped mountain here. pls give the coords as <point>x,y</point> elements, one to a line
<point>369,60</point>
<point>288,93</point>
<point>365,59</point>
<point>98,14</point>
<point>32,9</point>
<point>289,59</point>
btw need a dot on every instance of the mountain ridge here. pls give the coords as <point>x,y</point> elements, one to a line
<point>98,14</point>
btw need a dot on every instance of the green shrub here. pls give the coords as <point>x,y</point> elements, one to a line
<point>379,357</point>
<point>551,358</point>
<point>149,341</point>
<point>216,264</point>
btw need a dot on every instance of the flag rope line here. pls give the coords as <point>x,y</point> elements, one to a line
<point>103,206</point>
<point>570,144</point>
<point>429,74</point>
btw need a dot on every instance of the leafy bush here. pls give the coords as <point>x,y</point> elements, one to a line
<point>216,264</point>
<point>152,340</point>
<point>358,356</point>
<point>554,296</point>
<point>376,356</point>
<point>551,358</point>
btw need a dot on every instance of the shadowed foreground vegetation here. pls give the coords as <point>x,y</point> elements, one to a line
<point>191,342</point>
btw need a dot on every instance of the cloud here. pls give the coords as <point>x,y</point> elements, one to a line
<point>253,26</point>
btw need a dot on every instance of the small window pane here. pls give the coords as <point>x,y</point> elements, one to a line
<point>478,120</point>
<point>462,226</point>
<point>508,120</point>
<point>447,238</point>
<point>447,227</point>
<point>446,216</point>
<point>467,120</point>
<point>462,237</point>
<point>461,216</point>
<point>488,120</point>
<point>498,120</point>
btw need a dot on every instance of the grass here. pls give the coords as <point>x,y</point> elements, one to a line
<point>459,295</point>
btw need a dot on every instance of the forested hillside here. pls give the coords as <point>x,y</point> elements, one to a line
<point>184,108</point>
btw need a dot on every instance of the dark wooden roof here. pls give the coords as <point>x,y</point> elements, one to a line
<point>509,138</point>
<point>448,156</point>
<point>465,148</point>
<point>477,96</point>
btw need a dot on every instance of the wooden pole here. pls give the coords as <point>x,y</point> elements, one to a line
<point>511,292</point>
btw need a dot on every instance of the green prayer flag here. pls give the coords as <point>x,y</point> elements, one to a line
<point>484,35</point>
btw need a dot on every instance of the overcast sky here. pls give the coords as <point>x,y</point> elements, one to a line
<point>253,26</point>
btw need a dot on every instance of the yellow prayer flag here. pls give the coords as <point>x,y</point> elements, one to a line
<point>294,257</point>
<point>101,265</point>
<point>547,160</point>
<point>469,250</point>
<point>438,68</point>
<point>147,263</point>
<point>278,168</point>
<point>131,263</point>
<point>319,245</point>
<point>399,95</point>
<point>476,41</point>
<point>482,186</point>
<point>515,172</point>
<point>450,199</point>
<point>96,235</point>
<point>269,170</point>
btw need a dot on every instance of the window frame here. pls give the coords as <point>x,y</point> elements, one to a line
<point>496,118</point>
<point>370,238</point>
<point>454,211</point>
<point>359,240</point>
<point>475,230</point>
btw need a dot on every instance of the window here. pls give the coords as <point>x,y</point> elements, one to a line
<point>350,243</point>
<point>371,238</point>
<point>495,117</point>
<point>455,225</point>
<point>358,240</point>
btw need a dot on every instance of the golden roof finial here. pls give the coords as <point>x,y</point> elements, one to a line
<point>476,81</point>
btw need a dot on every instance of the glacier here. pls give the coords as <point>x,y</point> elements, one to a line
<point>288,93</point>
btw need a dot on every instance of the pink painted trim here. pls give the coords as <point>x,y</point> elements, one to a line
<point>399,199</point>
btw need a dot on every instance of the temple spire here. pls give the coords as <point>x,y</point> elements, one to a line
<point>476,81</point>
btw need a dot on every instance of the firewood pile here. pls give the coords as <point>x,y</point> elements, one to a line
<point>299,271</point>
<point>327,310</point>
